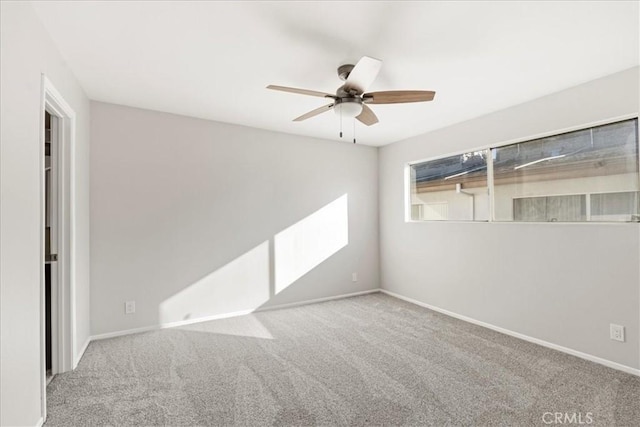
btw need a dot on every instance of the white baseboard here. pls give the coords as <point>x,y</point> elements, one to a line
<point>123,332</point>
<point>40,422</point>
<point>586,356</point>
<point>223,316</point>
<point>76,360</point>
<point>205,319</point>
<point>313,301</point>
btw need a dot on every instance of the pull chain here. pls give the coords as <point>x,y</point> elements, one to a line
<point>354,131</point>
<point>340,121</point>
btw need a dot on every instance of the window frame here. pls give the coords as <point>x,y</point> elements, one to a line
<point>490,177</point>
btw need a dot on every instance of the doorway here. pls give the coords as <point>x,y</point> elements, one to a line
<point>57,233</point>
<point>51,192</point>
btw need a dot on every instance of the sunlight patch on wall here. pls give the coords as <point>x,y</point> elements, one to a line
<point>240,285</point>
<point>307,243</point>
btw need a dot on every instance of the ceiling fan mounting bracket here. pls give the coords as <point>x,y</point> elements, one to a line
<point>344,71</point>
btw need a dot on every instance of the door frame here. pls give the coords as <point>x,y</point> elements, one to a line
<point>64,303</point>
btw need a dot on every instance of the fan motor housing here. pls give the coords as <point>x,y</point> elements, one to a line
<point>348,99</point>
<point>343,93</point>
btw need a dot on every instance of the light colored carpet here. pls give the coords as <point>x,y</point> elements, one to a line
<point>362,361</point>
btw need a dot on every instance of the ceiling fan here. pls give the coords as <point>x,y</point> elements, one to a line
<point>351,100</point>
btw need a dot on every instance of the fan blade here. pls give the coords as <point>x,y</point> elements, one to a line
<point>314,112</point>
<point>301,91</point>
<point>363,74</point>
<point>398,96</point>
<point>367,116</point>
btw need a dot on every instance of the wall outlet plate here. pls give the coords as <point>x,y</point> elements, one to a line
<point>129,307</point>
<point>616,332</point>
<point>354,277</point>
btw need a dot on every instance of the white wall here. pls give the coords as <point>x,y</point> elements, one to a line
<point>562,283</point>
<point>26,53</point>
<point>188,218</point>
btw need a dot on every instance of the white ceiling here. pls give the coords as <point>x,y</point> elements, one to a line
<point>213,59</point>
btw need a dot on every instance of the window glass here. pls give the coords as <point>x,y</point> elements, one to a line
<point>550,208</point>
<point>615,206</point>
<point>587,175</point>
<point>451,188</point>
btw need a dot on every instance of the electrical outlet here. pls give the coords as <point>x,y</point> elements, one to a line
<point>129,307</point>
<point>616,332</point>
<point>354,277</point>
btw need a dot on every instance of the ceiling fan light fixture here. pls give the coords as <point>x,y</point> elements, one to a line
<point>351,99</point>
<point>348,109</point>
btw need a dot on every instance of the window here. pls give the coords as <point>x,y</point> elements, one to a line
<point>615,206</point>
<point>453,188</point>
<point>550,208</point>
<point>586,175</point>
<point>567,177</point>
